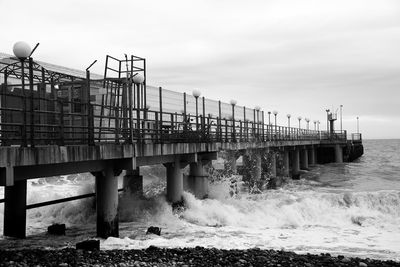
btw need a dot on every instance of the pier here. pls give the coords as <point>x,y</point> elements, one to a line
<point>57,121</point>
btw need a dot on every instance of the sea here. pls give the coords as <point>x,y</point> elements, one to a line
<point>350,209</point>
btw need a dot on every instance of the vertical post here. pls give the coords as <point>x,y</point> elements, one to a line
<point>139,134</point>
<point>184,113</point>
<point>15,210</point>
<point>90,119</point>
<point>286,162</point>
<point>144,83</point>
<point>23,127</point>
<point>130,115</point>
<point>220,121</point>
<point>32,117</point>
<point>161,111</point>
<point>203,121</point>
<point>262,121</point>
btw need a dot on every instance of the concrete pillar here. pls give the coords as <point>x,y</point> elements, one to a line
<point>338,154</point>
<point>304,159</point>
<point>107,203</point>
<point>198,179</point>
<point>286,163</point>
<point>252,165</point>
<point>174,181</point>
<point>133,182</point>
<point>15,210</point>
<point>230,162</point>
<point>311,156</point>
<point>273,164</point>
<point>296,164</point>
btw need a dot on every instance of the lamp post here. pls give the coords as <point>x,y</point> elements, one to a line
<point>288,120</point>
<point>327,120</point>
<point>275,113</point>
<point>341,108</point>
<point>269,117</point>
<point>308,123</point>
<point>315,125</point>
<point>22,51</point>
<point>138,80</point>
<point>196,94</point>
<point>358,125</point>
<point>257,108</point>
<point>233,103</point>
<point>299,118</point>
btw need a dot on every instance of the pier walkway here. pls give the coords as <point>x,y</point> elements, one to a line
<point>58,121</point>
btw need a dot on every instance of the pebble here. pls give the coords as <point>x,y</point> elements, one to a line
<point>362,264</point>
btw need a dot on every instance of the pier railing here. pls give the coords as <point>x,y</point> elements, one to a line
<point>47,115</point>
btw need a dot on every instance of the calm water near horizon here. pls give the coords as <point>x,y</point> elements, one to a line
<point>350,209</point>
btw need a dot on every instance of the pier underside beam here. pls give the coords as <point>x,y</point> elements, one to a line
<point>198,179</point>
<point>107,203</point>
<point>15,210</point>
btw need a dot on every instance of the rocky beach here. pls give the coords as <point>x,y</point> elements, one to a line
<point>198,256</point>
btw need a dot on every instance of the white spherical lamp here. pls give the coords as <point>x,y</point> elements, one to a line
<point>257,108</point>
<point>233,102</point>
<point>22,50</point>
<point>196,93</point>
<point>138,78</point>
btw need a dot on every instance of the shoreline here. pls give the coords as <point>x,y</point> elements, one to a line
<point>198,256</point>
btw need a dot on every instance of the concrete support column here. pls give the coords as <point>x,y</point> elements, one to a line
<point>286,163</point>
<point>304,159</point>
<point>338,154</point>
<point>296,164</point>
<point>273,164</point>
<point>230,162</point>
<point>198,179</point>
<point>257,167</point>
<point>174,181</point>
<point>133,182</point>
<point>15,210</point>
<point>107,203</point>
<point>252,165</point>
<point>311,156</point>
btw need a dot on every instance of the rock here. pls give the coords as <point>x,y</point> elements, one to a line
<point>89,245</point>
<point>153,230</point>
<point>56,229</point>
<point>63,264</point>
<point>362,264</point>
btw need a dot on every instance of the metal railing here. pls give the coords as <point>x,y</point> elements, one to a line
<point>44,117</point>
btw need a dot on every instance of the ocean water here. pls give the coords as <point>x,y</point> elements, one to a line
<point>350,209</point>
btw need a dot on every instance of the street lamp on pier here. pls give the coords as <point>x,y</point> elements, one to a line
<point>327,120</point>
<point>299,118</point>
<point>233,103</point>
<point>288,119</point>
<point>196,94</point>
<point>269,117</point>
<point>257,108</point>
<point>315,125</point>
<point>341,108</point>
<point>308,123</point>
<point>358,125</point>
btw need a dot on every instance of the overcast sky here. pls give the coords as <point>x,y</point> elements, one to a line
<point>297,57</point>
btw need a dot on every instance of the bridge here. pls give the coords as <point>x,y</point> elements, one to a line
<point>57,121</point>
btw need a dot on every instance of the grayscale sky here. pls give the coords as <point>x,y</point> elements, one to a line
<point>294,56</point>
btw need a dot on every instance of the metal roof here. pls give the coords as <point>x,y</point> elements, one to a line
<point>6,59</point>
